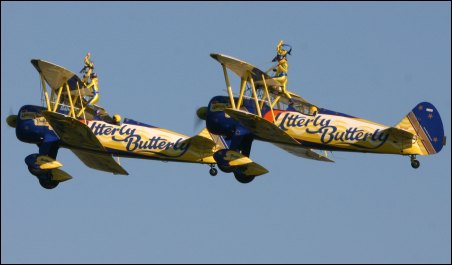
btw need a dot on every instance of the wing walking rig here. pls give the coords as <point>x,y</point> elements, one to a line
<point>262,110</point>
<point>69,118</point>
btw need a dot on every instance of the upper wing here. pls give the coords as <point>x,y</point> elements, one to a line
<point>56,76</point>
<point>268,131</point>
<point>81,140</point>
<point>242,68</point>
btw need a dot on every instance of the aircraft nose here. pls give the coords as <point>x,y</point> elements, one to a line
<point>12,120</point>
<point>202,113</point>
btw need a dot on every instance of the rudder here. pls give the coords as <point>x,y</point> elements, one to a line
<point>425,122</point>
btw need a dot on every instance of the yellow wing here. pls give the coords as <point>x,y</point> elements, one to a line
<point>202,143</point>
<point>56,76</point>
<point>100,161</point>
<point>262,128</point>
<point>236,161</point>
<point>80,139</point>
<point>242,68</point>
<point>267,131</point>
<point>300,151</point>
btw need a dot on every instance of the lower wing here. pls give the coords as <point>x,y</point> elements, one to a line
<point>82,141</point>
<point>269,132</point>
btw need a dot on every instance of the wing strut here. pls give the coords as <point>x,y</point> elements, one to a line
<point>228,85</point>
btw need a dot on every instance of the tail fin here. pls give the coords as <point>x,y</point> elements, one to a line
<point>425,122</point>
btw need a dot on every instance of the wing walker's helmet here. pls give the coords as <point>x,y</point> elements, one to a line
<point>117,118</point>
<point>93,75</point>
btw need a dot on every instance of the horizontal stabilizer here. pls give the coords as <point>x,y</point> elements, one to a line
<point>402,136</point>
<point>233,160</point>
<point>400,133</point>
<point>202,142</point>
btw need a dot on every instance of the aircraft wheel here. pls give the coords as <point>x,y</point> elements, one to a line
<point>243,178</point>
<point>225,169</point>
<point>34,171</point>
<point>415,163</point>
<point>48,184</point>
<point>213,171</point>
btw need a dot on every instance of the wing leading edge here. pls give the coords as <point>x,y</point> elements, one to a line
<point>267,131</point>
<point>242,68</point>
<point>82,141</point>
<point>56,76</point>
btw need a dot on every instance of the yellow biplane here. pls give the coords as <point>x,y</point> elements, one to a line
<point>67,120</point>
<point>263,112</point>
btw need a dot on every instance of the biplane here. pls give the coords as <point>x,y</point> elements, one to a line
<point>261,111</point>
<point>64,119</point>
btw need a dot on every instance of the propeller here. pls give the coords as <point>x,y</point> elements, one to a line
<point>11,120</point>
<point>201,114</point>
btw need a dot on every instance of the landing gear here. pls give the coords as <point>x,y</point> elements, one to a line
<point>414,163</point>
<point>44,177</point>
<point>225,169</point>
<point>48,184</point>
<point>243,178</point>
<point>34,171</point>
<point>213,171</point>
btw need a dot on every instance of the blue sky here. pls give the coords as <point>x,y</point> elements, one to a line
<point>371,60</point>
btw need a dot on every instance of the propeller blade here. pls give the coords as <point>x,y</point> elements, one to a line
<point>11,120</point>
<point>201,114</point>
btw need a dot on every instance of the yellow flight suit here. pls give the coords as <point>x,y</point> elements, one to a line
<point>88,68</point>
<point>282,68</point>
<point>94,85</point>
